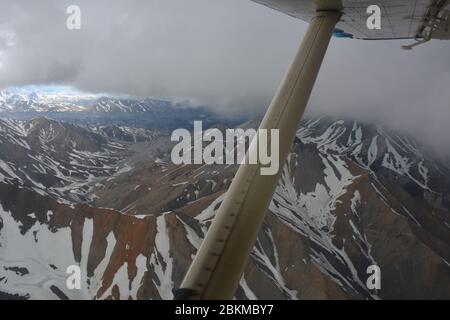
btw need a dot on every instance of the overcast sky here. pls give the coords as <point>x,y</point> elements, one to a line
<point>227,54</point>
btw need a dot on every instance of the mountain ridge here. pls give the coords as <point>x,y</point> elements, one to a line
<point>368,196</point>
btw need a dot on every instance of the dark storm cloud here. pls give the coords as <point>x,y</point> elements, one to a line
<point>229,54</point>
<point>216,52</point>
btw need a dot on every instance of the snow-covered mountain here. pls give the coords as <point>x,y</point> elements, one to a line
<point>30,99</point>
<point>69,105</point>
<point>64,160</point>
<point>54,158</point>
<point>351,195</point>
<point>38,101</point>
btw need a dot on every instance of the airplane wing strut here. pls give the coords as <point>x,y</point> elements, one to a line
<point>217,268</point>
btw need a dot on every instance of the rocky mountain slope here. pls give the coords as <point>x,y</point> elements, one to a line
<point>110,201</point>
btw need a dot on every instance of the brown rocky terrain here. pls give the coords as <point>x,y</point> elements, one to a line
<point>350,196</point>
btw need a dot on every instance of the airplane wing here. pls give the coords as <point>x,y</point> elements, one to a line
<point>400,19</point>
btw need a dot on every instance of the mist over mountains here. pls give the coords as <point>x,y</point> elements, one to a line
<point>227,55</point>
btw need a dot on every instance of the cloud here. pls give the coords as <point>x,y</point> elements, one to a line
<point>227,54</point>
<point>230,55</point>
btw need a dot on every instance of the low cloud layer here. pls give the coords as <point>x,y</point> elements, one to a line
<point>228,54</point>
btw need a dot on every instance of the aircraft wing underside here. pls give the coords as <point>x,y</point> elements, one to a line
<point>400,19</point>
